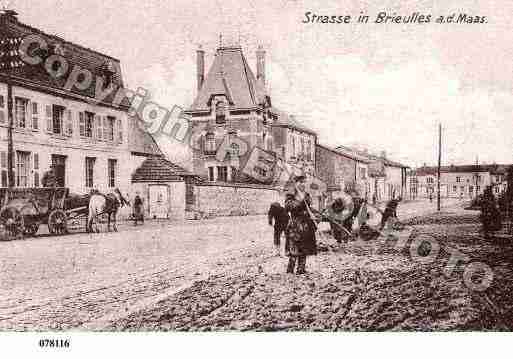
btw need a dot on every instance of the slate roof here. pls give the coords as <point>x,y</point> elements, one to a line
<point>345,153</point>
<point>289,121</point>
<point>372,157</point>
<point>140,141</point>
<point>158,169</point>
<point>230,75</point>
<point>75,55</point>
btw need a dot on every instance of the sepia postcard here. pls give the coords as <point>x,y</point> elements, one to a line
<point>254,166</point>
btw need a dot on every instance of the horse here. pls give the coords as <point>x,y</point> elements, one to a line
<point>105,204</point>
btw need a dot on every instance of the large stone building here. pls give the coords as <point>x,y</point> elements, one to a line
<point>342,170</point>
<point>462,181</point>
<point>232,101</point>
<point>387,178</point>
<point>89,143</point>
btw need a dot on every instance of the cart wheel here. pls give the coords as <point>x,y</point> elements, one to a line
<point>12,222</point>
<point>31,229</point>
<point>58,222</point>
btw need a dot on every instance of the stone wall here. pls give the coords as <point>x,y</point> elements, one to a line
<point>232,199</point>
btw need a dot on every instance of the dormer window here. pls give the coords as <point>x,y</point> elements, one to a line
<point>220,112</point>
<point>108,72</point>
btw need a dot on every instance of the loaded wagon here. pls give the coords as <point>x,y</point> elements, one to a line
<point>23,210</point>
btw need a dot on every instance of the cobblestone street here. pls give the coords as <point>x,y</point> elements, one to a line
<point>222,274</point>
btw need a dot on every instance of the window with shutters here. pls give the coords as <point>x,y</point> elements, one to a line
<point>120,131</point>
<point>20,112</point>
<point>3,165</point>
<point>99,127</point>
<point>22,168</point>
<point>49,118</point>
<point>58,119</point>
<point>69,123</point>
<point>86,124</point>
<point>89,171</point>
<point>105,134</point>
<point>35,116</point>
<point>109,130</point>
<point>112,168</point>
<point>36,169</point>
<point>2,107</point>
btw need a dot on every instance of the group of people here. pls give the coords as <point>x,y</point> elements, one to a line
<point>298,222</point>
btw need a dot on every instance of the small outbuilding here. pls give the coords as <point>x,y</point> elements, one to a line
<point>163,186</point>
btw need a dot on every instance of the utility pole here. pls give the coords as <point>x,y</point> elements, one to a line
<point>4,15</point>
<point>439,163</point>
<point>10,147</point>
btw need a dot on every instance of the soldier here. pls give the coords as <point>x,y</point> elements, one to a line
<point>300,233</point>
<point>281,219</point>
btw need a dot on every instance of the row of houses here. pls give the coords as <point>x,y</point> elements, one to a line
<point>463,181</point>
<point>101,145</point>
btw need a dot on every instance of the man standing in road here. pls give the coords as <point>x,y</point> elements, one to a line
<point>281,219</point>
<point>300,233</point>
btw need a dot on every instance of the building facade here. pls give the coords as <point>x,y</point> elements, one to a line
<point>463,181</point>
<point>342,170</point>
<point>388,179</point>
<point>60,128</point>
<point>232,115</point>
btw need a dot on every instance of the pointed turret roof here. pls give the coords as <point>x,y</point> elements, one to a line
<point>230,75</point>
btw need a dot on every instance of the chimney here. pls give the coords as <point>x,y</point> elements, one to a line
<point>200,66</point>
<point>260,54</point>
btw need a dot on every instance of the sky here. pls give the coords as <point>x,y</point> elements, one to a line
<point>381,86</point>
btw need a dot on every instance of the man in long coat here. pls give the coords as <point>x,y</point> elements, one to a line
<point>300,233</point>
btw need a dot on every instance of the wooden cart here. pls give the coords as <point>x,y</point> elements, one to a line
<point>23,210</point>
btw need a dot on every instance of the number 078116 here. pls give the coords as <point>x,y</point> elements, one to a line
<point>54,343</point>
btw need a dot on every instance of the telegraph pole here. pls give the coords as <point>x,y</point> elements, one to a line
<point>10,149</point>
<point>4,14</point>
<point>439,163</point>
